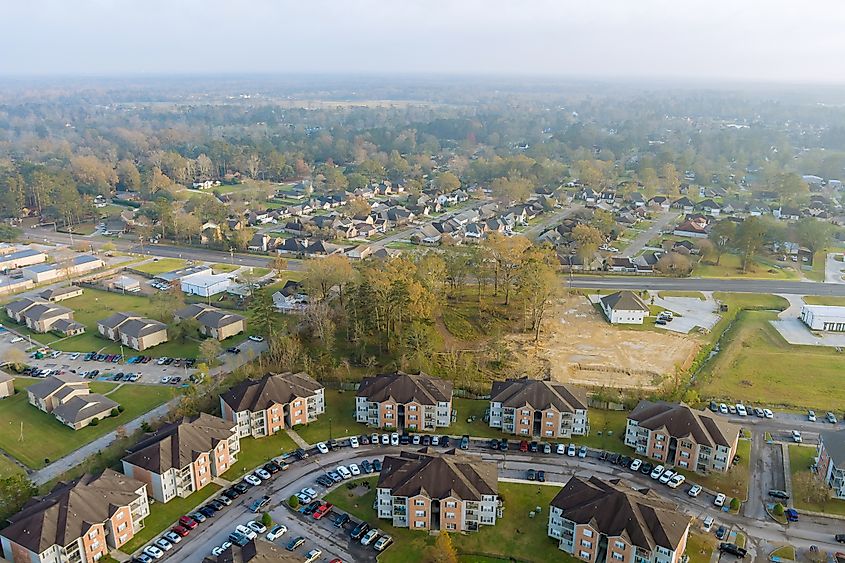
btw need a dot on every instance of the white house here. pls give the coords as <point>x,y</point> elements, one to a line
<point>823,317</point>
<point>624,307</point>
<point>205,284</point>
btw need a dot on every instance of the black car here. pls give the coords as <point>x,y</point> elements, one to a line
<point>233,350</point>
<point>300,454</point>
<point>625,461</point>
<point>603,455</point>
<point>359,531</point>
<point>533,447</point>
<point>366,466</point>
<point>241,487</point>
<point>733,549</point>
<point>426,440</point>
<point>295,542</point>
<point>713,406</point>
<point>778,494</point>
<point>272,467</point>
<point>364,440</point>
<point>646,468</point>
<point>217,505</point>
<point>464,442</point>
<point>376,465</point>
<point>231,493</point>
<point>541,476</point>
<point>494,444</point>
<point>311,507</point>
<point>341,520</point>
<point>840,538</point>
<point>207,511</point>
<point>532,474</point>
<point>614,459</point>
<point>444,441</point>
<point>503,445</point>
<point>404,440</point>
<point>325,481</point>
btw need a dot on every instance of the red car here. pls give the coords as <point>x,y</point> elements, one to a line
<point>181,530</point>
<point>188,522</point>
<point>322,511</point>
<point>523,446</point>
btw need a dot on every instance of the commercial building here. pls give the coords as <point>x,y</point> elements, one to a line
<point>624,307</point>
<point>126,284</point>
<point>132,330</point>
<point>7,385</point>
<point>404,401</point>
<point>70,401</point>
<point>679,435</point>
<point>531,407</point>
<point>183,456</point>
<point>37,315</point>
<point>77,522</point>
<point>428,490</point>
<point>823,317</point>
<point>608,522</point>
<point>41,273</point>
<point>273,403</point>
<point>830,466</point>
<point>21,258</point>
<point>213,322</point>
<point>205,284</point>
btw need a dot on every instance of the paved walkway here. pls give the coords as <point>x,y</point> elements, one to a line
<point>77,457</point>
<point>297,438</point>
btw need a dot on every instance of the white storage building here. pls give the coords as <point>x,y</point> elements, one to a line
<point>823,317</point>
<point>205,284</point>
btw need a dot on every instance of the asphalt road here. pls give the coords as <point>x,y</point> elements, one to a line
<point>616,282</point>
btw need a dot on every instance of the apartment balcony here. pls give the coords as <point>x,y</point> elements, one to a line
<point>400,511</point>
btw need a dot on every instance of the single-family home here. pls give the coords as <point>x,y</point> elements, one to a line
<point>624,307</point>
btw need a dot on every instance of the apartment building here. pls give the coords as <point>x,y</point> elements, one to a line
<point>77,522</point>
<point>69,399</point>
<point>678,435</point>
<point>272,403</point>
<point>183,456</point>
<point>830,466</point>
<point>132,330</point>
<point>403,401</point>
<point>608,521</point>
<point>212,321</point>
<point>37,315</point>
<point>545,409</point>
<point>433,490</point>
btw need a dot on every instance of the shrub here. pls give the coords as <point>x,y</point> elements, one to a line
<point>778,510</point>
<point>120,408</point>
<point>293,502</point>
<point>266,519</point>
<point>115,412</point>
<point>94,422</point>
<point>735,503</point>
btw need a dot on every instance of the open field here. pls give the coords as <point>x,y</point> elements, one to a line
<point>801,458</point>
<point>224,268</point>
<point>690,294</point>
<point>580,346</point>
<point>824,300</point>
<point>514,533</point>
<point>160,266</point>
<point>730,267</point>
<point>45,438</point>
<point>340,408</point>
<point>757,365</point>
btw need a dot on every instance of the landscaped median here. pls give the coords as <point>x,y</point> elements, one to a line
<point>163,516</point>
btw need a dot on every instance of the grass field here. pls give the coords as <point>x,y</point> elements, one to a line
<point>757,365</point>
<point>801,458</point>
<point>833,300</point>
<point>46,438</point>
<point>730,267</point>
<point>161,266</point>
<point>257,452</point>
<point>340,408</point>
<point>785,552</point>
<point>514,533</point>
<point>734,483</point>
<point>224,268</point>
<point>164,516</point>
<point>472,408</point>
<point>691,294</point>
<point>700,547</point>
<point>8,467</point>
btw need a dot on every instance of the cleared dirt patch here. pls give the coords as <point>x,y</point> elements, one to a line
<point>579,346</point>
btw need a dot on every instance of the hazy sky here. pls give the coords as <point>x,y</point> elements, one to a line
<point>777,40</point>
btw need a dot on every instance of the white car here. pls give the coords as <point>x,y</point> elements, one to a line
<point>344,471</point>
<point>256,527</point>
<point>369,537</point>
<point>353,441</point>
<point>723,408</point>
<point>322,448</point>
<point>161,360</point>
<point>636,464</point>
<point>657,472</point>
<point>694,491</point>
<point>374,439</point>
<point>217,551</point>
<point>173,537</point>
<point>385,439</point>
<point>561,449</point>
<point>165,379</point>
<point>720,499</point>
<point>571,450</point>
<point>262,473</point>
<point>708,523</point>
<point>276,532</point>
<point>252,480</point>
<point>153,551</point>
<point>416,439</point>
<point>16,339</point>
<point>312,555</point>
<point>740,410</point>
<point>55,354</point>
<point>796,436</point>
<point>676,481</point>
<point>394,439</point>
<point>257,338</point>
<point>768,413</point>
<point>163,544</point>
<point>667,476</point>
<point>435,440</point>
<point>353,468</point>
<point>246,531</point>
<point>811,416</point>
<point>73,356</point>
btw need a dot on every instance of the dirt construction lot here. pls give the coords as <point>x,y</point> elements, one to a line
<point>579,346</point>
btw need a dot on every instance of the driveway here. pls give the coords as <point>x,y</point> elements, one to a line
<point>693,312</point>
<point>834,270</point>
<point>796,332</point>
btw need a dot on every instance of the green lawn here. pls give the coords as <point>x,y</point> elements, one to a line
<point>224,268</point>
<point>472,408</point>
<point>160,266</point>
<point>817,272</point>
<point>691,294</point>
<point>757,365</point>
<point>785,552</point>
<point>607,431</point>
<point>734,483</point>
<point>700,547</point>
<point>514,534</point>
<point>8,467</point>
<point>832,300</point>
<point>340,408</point>
<point>255,452</point>
<point>164,516</point>
<point>38,338</point>
<point>46,438</point>
<point>801,458</point>
<point>729,267</point>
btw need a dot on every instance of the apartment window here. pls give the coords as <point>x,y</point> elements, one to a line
<point>619,545</point>
<point>659,437</point>
<point>618,556</point>
<point>450,526</point>
<point>585,555</point>
<point>412,408</point>
<point>419,502</point>
<point>588,533</point>
<point>525,413</point>
<point>451,504</point>
<point>450,515</point>
<point>92,534</point>
<point>419,513</point>
<point>550,415</point>
<point>95,544</point>
<point>123,538</point>
<point>587,544</point>
<point>202,470</point>
<point>549,433</point>
<point>419,524</point>
<point>388,407</point>
<point>388,415</point>
<point>550,424</point>
<point>412,417</point>
<point>121,527</point>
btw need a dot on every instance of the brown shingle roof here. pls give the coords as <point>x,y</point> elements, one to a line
<point>254,552</point>
<point>439,475</point>
<point>84,407</point>
<point>70,509</point>
<point>404,388</point>
<point>639,516</point>
<point>273,388</point>
<point>681,421</point>
<point>538,394</point>
<point>179,443</point>
<point>624,301</point>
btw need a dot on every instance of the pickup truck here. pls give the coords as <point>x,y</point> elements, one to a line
<point>259,504</point>
<point>733,549</point>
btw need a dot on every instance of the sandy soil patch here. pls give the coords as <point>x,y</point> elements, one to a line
<point>579,346</point>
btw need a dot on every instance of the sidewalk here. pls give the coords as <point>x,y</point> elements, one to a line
<point>298,439</point>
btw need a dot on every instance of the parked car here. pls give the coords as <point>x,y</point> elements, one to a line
<point>778,494</point>
<point>256,338</point>
<point>369,537</point>
<point>831,418</point>
<point>582,452</point>
<point>791,515</point>
<point>353,442</point>
<point>666,476</point>
<point>359,531</point>
<point>636,464</point>
<point>376,465</point>
<point>464,445</point>
<point>252,480</point>
<point>570,450</point>
<point>344,471</point>
<point>383,543</point>
<point>694,491</point>
<point>172,537</point>
<point>354,469</point>
<point>796,436</point>
<point>768,413</point>
<point>811,416</point>
<point>720,499</point>
<point>153,551</point>
<point>541,476</point>
<point>262,474</point>
<point>312,555</point>
<point>394,439</point>
<point>532,475</point>
<point>523,446</point>
<point>322,510</point>
<point>187,522</point>
<point>840,538</point>
<point>251,534</point>
<point>721,532</point>
<point>341,520</point>
<point>295,543</point>
<point>180,531</point>
<point>708,523</point>
<point>657,472</point>
<point>533,447</point>
<point>646,468</point>
<point>676,481</point>
<point>163,544</point>
<point>256,527</point>
<point>733,549</point>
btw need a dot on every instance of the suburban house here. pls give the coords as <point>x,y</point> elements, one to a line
<point>132,330</point>
<point>827,318</point>
<point>183,456</point>
<point>532,407</point>
<point>37,315</point>
<point>608,522</point>
<point>291,297</point>
<point>274,402</point>
<point>205,284</point>
<point>431,490</point>
<point>70,401</point>
<point>7,385</point>
<point>403,401</point>
<point>79,521</point>
<point>60,293</point>
<point>213,322</point>
<point>624,307</point>
<point>695,227</point>
<point>678,435</point>
<point>830,466</point>
<point>21,258</point>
